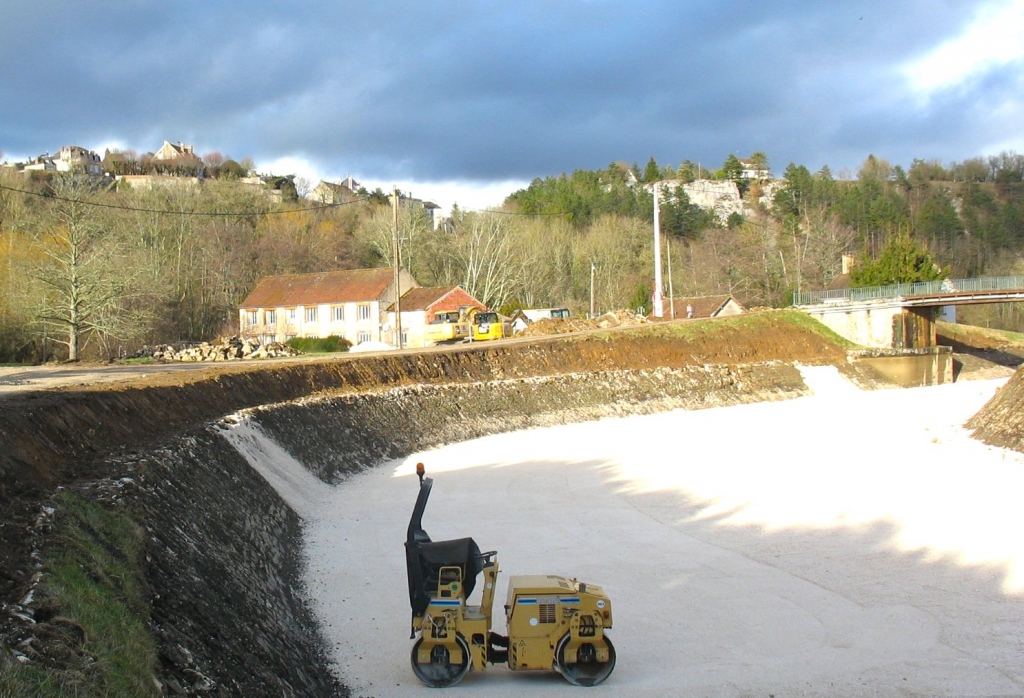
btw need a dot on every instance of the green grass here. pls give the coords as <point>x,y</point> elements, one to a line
<point>137,360</point>
<point>94,603</point>
<point>747,322</point>
<point>320,345</point>
<point>965,333</point>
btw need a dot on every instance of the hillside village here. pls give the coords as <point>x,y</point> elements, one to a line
<point>360,306</point>
<point>176,164</point>
<point>181,246</point>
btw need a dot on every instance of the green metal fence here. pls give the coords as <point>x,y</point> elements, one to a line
<point>923,288</point>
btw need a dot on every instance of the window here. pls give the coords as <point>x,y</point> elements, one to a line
<point>363,337</point>
<point>271,316</point>
<point>310,314</point>
<point>338,313</point>
<point>364,311</point>
<point>293,314</point>
<point>250,317</point>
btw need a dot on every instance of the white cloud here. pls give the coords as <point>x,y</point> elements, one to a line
<point>473,196</point>
<point>995,38</point>
<point>470,196</point>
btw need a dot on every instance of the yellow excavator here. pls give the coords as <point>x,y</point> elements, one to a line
<point>466,325</point>
<point>554,623</point>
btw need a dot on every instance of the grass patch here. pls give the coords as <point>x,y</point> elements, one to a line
<point>320,345</point>
<point>803,320</point>
<point>747,322</point>
<point>972,335</point>
<point>136,360</point>
<point>92,607</point>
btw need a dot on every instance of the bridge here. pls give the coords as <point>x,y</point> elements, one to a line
<point>902,316</point>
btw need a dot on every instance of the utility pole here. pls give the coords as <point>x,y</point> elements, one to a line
<point>656,297</point>
<point>671,292</point>
<point>592,270</point>
<point>398,276</point>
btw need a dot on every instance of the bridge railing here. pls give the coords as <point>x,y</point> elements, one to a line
<point>922,288</point>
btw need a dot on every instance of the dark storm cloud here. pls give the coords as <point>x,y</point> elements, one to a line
<point>488,90</point>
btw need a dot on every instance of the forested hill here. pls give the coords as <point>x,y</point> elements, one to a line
<point>172,263</point>
<point>967,213</point>
<point>968,217</point>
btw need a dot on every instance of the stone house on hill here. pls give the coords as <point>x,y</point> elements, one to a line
<point>420,305</point>
<point>335,193</point>
<point>177,159</point>
<point>170,151</point>
<point>73,158</point>
<point>351,304</point>
<point>43,163</point>
<point>70,158</point>
<point>752,169</point>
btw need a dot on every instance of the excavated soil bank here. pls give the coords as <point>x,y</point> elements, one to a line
<point>222,550</point>
<point>1001,421</point>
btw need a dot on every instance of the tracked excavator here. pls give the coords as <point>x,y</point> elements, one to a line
<point>466,325</point>
<point>554,623</point>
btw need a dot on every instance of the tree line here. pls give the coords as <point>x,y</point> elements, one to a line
<point>87,271</point>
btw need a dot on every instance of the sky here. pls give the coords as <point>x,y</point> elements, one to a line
<point>462,101</point>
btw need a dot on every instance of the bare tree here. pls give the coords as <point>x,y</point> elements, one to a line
<point>819,244</point>
<point>486,255</point>
<point>84,284</point>
<point>14,315</point>
<point>214,159</point>
<point>622,253</point>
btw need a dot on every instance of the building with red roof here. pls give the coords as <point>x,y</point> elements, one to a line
<point>351,303</point>
<point>420,305</point>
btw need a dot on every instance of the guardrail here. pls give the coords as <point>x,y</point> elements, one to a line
<point>922,288</point>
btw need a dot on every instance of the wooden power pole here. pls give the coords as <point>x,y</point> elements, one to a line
<point>398,276</point>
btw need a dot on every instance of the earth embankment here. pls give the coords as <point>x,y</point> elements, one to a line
<point>1001,421</point>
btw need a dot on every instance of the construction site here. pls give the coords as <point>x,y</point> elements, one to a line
<point>747,495</point>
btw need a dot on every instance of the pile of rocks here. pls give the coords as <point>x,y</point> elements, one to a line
<point>620,318</point>
<point>223,349</point>
<point>617,318</point>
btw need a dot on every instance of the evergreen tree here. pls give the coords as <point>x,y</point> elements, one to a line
<point>652,173</point>
<point>901,261</point>
<point>731,169</point>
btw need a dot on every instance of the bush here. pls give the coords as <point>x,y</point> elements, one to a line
<point>319,345</point>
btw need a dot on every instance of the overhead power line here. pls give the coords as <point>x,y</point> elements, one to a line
<point>169,212</point>
<point>227,214</point>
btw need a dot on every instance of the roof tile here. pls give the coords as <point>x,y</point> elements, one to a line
<point>348,286</point>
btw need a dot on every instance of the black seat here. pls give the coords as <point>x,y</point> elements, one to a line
<point>424,558</point>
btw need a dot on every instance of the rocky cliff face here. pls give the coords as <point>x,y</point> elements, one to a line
<point>222,550</point>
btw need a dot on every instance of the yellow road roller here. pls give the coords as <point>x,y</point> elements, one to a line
<point>554,623</point>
